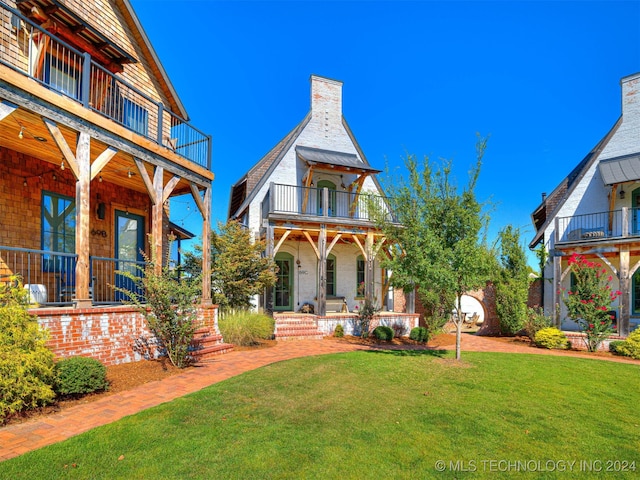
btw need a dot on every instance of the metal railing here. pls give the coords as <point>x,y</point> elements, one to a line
<point>31,50</point>
<point>50,277</point>
<point>601,225</point>
<point>323,202</point>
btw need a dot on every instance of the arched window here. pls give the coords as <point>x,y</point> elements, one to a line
<point>331,275</point>
<point>331,211</point>
<point>360,276</point>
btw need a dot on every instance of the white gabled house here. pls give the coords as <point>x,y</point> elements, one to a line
<point>595,211</point>
<point>310,199</point>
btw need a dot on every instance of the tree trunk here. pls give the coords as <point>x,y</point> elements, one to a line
<point>458,322</point>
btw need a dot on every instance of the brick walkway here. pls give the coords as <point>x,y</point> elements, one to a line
<point>31,435</point>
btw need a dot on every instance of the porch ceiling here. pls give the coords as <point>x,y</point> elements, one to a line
<point>37,142</point>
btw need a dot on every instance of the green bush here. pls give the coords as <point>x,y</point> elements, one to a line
<point>383,332</point>
<point>535,322</point>
<point>419,334</point>
<point>80,375</point>
<point>614,347</point>
<point>26,364</point>
<point>246,328</point>
<point>631,346</point>
<point>551,337</point>
<point>339,331</point>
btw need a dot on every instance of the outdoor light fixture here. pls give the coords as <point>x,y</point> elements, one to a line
<point>21,134</point>
<point>129,174</point>
<point>62,165</point>
<point>622,194</point>
<point>24,181</point>
<point>54,176</point>
<point>100,179</point>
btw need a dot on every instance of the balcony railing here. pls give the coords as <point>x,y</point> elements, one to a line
<point>621,223</point>
<point>31,50</point>
<point>322,202</point>
<point>49,277</point>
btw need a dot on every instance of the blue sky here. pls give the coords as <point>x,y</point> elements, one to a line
<point>541,78</point>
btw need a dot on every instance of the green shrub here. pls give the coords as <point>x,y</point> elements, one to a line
<point>551,337</point>
<point>26,364</point>
<point>339,331</point>
<point>535,322</point>
<point>419,334</point>
<point>631,346</point>
<point>246,328</point>
<point>614,347</point>
<point>80,375</point>
<point>383,332</point>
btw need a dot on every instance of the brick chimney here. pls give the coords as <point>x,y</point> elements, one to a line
<point>326,102</point>
<point>631,98</point>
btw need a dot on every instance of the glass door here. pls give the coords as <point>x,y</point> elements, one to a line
<point>283,289</point>
<point>129,245</point>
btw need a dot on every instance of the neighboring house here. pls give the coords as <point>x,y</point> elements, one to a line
<point>311,198</point>
<point>595,211</point>
<point>94,141</point>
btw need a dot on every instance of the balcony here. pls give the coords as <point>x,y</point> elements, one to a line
<point>321,204</point>
<point>49,277</point>
<point>601,226</point>
<point>28,49</point>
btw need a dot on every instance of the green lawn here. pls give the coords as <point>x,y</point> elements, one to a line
<point>374,415</point>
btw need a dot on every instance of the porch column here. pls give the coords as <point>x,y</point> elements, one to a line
<point>625,298</point>
<point>268,292</point>
<point>557,282</point>
<point>322,270</point>
<point>206,248</point>
<point>369,272</point>
<point>83,216</point>
<point>156,219</point>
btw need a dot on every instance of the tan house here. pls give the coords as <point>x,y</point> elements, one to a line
<point>94,141</point>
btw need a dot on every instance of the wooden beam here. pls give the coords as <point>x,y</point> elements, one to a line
<point>306,181</point>
<point>102,160</point>
<point>333,242</point>
<point>313,245</point>
<point>206,248</point>
<point>322,271</point>
<point>168,188</point>
<point>156,220</point>
<point>83,219</point>
<point>357,240</point>
<point>281,241</point>
<point>359,182</point>
<point>612,204</point>
<point>63,146</point>
<point>148,183</point>
<point>195,193</point>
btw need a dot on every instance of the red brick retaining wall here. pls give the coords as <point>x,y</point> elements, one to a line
<point>112,335</point>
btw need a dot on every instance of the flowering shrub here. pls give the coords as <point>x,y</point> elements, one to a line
<point>550,338</point>
<point>589,302</point>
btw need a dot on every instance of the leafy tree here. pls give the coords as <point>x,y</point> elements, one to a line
<point>512,285</point>
<point>441,247</point>
<point>239,269</point>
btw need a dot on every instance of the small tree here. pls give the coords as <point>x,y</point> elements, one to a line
<point>239,269</point>
<point>589,301</point>
<point>169,306</point>
<point>512,284</point>
<point>26,364</point>
<point>440,243</point>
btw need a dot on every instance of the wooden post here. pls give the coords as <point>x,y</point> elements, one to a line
<point>322,269</point>
<point>268,292</point>
<point>625,298</point>
<point>156,219</point>
<point>83,217</point>
<point>206,248</point>
<point>557,282</point>
<point>369,272</point>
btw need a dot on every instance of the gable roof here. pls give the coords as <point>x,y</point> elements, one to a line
<point>544,214</point>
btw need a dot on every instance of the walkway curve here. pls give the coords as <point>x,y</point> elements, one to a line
<point>39,432</point>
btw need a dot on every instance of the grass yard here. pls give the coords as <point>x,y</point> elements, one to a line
<point>375,415</point>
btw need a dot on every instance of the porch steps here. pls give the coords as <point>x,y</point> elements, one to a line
<point>206,344</point>
<point>297,328</point>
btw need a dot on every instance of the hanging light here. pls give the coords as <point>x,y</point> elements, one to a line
<point>100,179</point>
<point>62,165</point>
<point>21,134</point>
<point>24,183</point>
<point>129,174</point>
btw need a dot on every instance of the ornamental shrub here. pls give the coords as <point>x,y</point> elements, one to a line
<point>80,375</point>
<point>382,332</point>
<point>589,302</point>
<point>614,347</point>
<point>367,312</point>
<point>419,334</point>
<point>551,338</point>
<point>26,364</point>
<point>631,346</point>
<point>339,331</point>
<point>245,328</point>
<point>535,322</point>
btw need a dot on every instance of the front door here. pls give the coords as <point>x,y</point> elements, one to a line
<point>283,289</point>
<point>129,245</point>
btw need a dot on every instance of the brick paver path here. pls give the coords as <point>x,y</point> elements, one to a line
<point>20,438</point>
